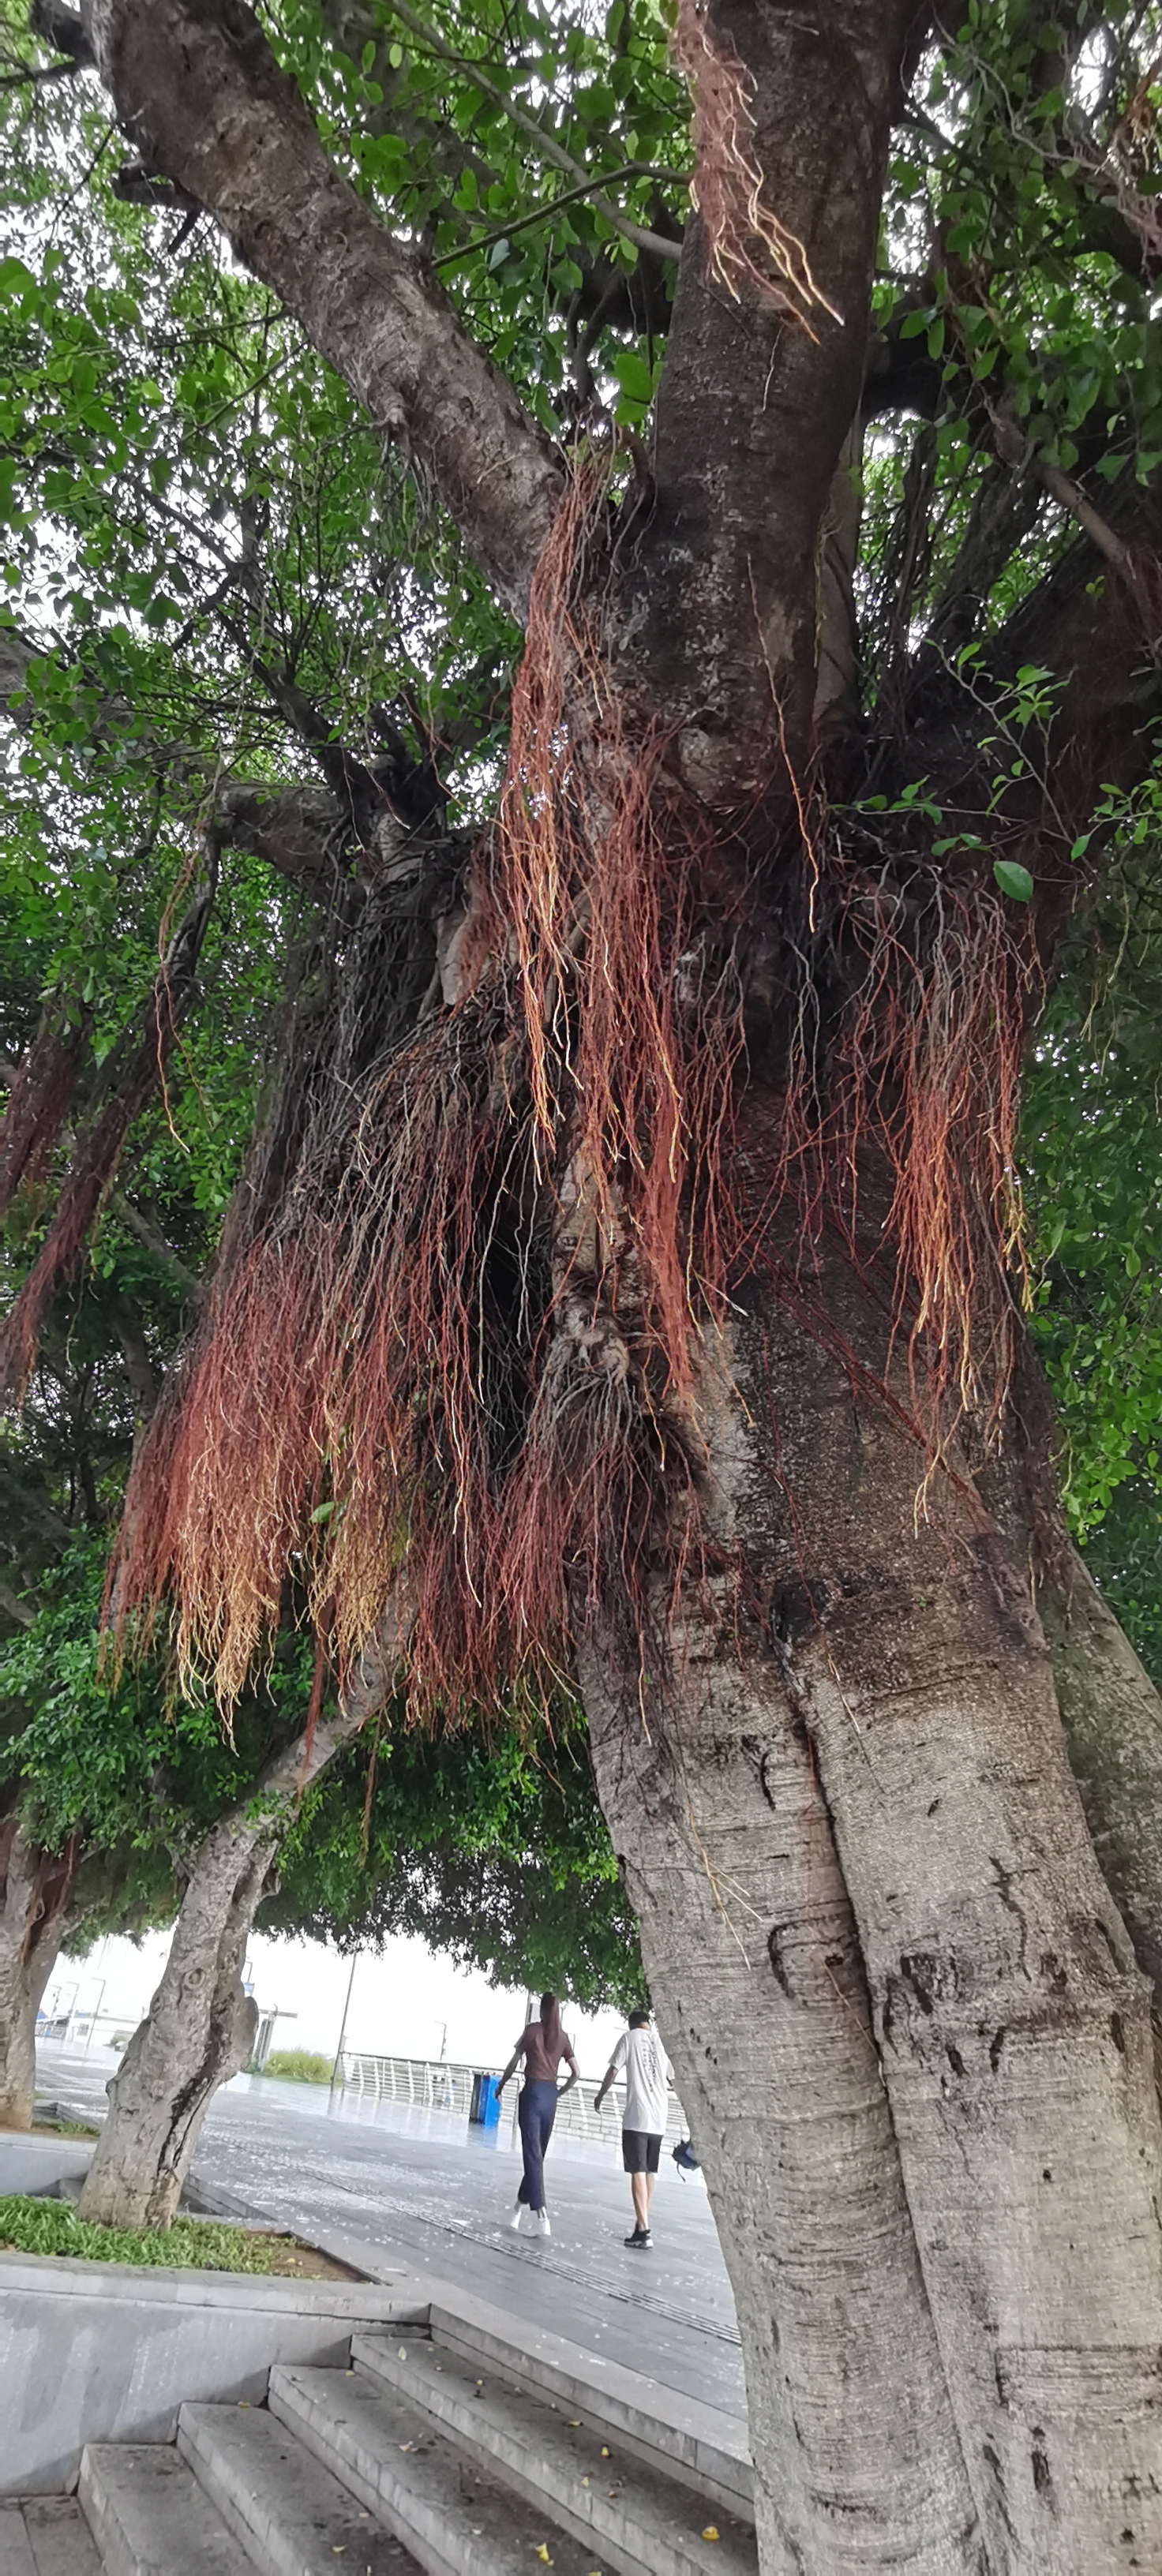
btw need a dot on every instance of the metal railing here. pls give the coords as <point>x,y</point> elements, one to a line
<point>429,2084</point>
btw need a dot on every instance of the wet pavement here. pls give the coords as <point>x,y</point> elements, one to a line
<point>439,2193</point>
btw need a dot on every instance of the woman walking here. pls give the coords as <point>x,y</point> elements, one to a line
<point>542,2045</point>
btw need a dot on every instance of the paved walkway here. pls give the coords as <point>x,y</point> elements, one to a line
<point>421,2185</point>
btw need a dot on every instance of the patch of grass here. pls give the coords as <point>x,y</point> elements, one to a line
<point>63,2129</point>
<point>298,2066</point>
<point>30,2225</point>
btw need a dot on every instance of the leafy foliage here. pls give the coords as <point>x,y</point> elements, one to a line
<point>298,2066</point>
<point>217,573</point>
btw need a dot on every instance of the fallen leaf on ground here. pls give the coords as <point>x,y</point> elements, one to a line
<point>710,2532</point>
<point>543,2553</point>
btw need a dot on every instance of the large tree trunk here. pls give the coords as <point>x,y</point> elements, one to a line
<point>34,1896</point>
<point>1009,2024</point>
<point>754,1963</point>
<point>200,2027</point>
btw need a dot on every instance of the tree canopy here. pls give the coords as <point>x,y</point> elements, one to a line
<point>231,609</point>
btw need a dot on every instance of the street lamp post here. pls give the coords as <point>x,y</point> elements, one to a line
<point>342,2031</point>
<point>94,2012</point>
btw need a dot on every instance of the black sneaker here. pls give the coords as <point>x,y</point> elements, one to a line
<point>641,2237</point>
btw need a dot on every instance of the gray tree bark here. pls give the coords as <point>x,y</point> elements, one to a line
<point>34,1896</point>
<point>200,2026</point>
<point>753,1959</point>
<point>1009,2024</point>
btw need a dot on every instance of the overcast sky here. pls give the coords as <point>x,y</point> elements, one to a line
<point>402,1999</point>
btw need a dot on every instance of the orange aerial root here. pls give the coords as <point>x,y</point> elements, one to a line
<point>747,246</point>
<point>468,1334</point>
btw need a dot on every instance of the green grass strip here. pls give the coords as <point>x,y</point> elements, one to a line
<point>30,2225</point>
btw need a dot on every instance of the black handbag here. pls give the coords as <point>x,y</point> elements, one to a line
<point>685,2158</point>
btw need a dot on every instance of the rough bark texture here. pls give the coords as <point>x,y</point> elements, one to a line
<point>1010,2023</point>
<point>754,1965</point>
<point>200,2026</point>
<point>199,2030</point>
<point>199,90</point>
<point>720,606</point>
<point>34,1895</point>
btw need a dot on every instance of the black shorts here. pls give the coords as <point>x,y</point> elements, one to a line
<point>640,2151</point>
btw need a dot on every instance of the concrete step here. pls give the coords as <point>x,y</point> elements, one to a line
<point>686,2439</point>
<point>149,2516</point>
<point>287,2510</point>
<point>635,2517</point>
<point>454,2520</point>
<point>57,2539</point>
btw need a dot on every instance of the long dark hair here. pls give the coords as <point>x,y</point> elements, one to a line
<point>551,2021</point>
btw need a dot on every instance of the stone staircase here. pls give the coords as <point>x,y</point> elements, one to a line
<point>444,2446</point>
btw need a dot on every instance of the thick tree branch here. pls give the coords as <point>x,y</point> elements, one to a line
<point>192,1288</point>
<point>62,29</point>
<point>198,89</point>
<point>753,410</point>
<point>15,1606</point>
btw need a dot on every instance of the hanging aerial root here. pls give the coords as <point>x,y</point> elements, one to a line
<point>921,1088</point>
<point>131,1075</point>
<point>473,1330</point>
<point>748,249</point>
<point>41,1095</point>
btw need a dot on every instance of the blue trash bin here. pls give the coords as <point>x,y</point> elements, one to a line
<point>485,2110</point>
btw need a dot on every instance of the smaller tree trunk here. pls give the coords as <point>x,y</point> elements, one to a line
<point>1110,1709</point>
<point>198,2031</point>
<point>34,1896</point>
<point>1112,1717</point>
<point>200,2027</point>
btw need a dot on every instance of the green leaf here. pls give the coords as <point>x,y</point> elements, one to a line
<point>1013,879</point>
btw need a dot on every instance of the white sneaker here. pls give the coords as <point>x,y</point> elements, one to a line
<point>515,2222</point>
<point>543,2226</point>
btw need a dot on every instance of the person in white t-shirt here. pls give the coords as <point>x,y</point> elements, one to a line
<point>639,2054</point>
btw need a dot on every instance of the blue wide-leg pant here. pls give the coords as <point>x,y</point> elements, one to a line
<point>536,2111</point>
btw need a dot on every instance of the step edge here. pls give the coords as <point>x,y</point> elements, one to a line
<point>641,2551</point>
<point>694,2456</point>
<point>105,2525</point>
<point>423,2543</point>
